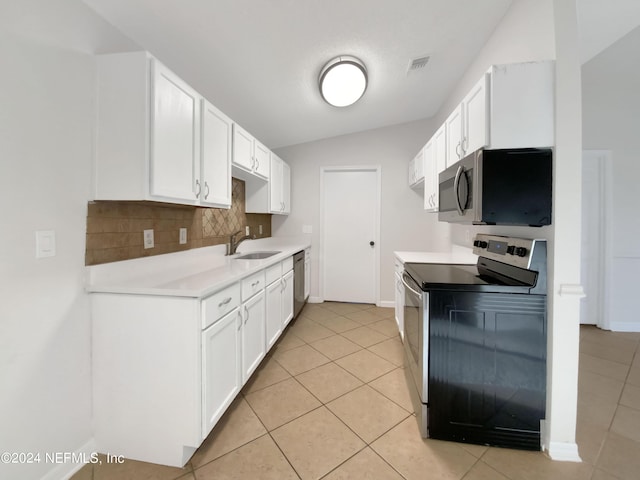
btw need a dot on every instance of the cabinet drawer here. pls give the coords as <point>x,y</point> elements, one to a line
<point>274,273</point>
<point>219,304</point>
<point>252,285</point>
<point>287,265</point>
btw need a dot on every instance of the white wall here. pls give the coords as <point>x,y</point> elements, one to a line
<point>46,129</point>
<point>611,121</point>
<point>405,226</point>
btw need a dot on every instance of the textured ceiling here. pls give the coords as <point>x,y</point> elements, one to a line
<point>259,60</point>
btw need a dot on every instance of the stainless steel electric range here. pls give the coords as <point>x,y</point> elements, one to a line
<point>475,344</point>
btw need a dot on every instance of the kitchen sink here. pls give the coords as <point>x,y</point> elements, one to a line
<point>256,255</point>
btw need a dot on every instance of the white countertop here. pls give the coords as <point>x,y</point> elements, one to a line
<point>193,273</point>
<point>458,255</point>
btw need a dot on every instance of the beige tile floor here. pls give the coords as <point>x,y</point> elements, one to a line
<point>330,401</point>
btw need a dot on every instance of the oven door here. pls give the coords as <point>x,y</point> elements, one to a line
<point>416,345</point>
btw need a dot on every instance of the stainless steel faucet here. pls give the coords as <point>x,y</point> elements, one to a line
<point>233,245</point>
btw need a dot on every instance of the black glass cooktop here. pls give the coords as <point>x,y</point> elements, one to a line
<point>437,276</point>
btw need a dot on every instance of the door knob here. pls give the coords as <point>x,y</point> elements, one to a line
<point>372,243</point>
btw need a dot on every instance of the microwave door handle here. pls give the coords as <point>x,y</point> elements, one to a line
<point>456,186</point>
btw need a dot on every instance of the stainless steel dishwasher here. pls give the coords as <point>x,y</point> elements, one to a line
<point>298,282</point>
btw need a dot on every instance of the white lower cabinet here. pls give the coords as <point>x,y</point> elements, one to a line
<point>279,300</point>
<point>221,367</point>
<point>274,312</point>
<point>287,298</point>
<point>399,313</point>
<point>253,334</point>
<point>307,273</point>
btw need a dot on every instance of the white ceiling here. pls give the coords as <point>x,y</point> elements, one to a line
<point>259,60</point>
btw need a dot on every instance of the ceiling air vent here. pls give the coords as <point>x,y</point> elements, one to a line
<point>417,64</point>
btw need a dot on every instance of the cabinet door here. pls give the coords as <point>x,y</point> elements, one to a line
<point>476,132</point>
<point>273,312</point>
<point>221,368</point>
<point>287,298</point>
<point>242,148</point>
<point>430,177</point>
<point>307,273</point>
<point>400,305</point>
<point>275,185</point>
<point>439,159</point>
<point>416,168</point>
<point>262,156</point>
<point>286,188</point>
<point>175,137</point>
<point>253,334</point>
<point>216,157</point>
<point>454,136</point>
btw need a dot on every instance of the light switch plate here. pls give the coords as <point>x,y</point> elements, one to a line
<point>148,238</point>
<point>45,243</point>
<point>183,236</point>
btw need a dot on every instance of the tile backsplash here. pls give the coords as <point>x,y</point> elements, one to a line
<point>115,228</point>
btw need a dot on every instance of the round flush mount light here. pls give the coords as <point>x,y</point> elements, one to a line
<point>343,80</point>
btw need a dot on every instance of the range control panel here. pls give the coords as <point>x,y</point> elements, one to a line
<point>511,250</point>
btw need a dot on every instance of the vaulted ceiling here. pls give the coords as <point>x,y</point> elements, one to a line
<point>259,60</point>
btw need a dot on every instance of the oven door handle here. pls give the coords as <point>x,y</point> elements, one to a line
<point>419,294</point>
<point>456,187</point>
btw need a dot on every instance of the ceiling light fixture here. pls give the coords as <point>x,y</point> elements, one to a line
<point>343,81</point>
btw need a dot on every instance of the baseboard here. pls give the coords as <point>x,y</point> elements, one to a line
<point>624,326</point>
<point>65,470</point>
<point>564,452</point>
<point>387,304</point>
<point>314,299</point>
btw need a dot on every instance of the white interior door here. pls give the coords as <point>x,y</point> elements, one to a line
<point>595,229</point>
<point>350,226</point>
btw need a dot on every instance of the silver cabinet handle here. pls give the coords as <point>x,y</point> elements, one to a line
<point>253,163</point>
<point>198,188</point>
<point>458,148</point>
<point>206,186</point>
<point>246,314</point>
<point>224,302</point>
<point>283,284</point>
<point>257,164</point>
<point>465,144</point>
<point>240,322</point>
<point>257,282</point>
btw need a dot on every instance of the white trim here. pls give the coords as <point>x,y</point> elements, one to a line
<point>623,326</point>
<point>571,290</point>
<point>605,170</point>
<point>351,168</point>
<point>64,471</point>
<point>315,299</point>
<point>564,452</point>
<point>387,304</point>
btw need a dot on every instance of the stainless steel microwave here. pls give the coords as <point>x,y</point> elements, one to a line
<point>498,187</point>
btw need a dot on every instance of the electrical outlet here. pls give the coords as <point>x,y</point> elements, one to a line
<point>148,238</point>
<point>45,243</point>
<point>260,229</point>
<point>183,236</point>
<point>246,230</point>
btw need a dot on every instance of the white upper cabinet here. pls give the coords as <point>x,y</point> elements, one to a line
<point>157,139</point>
<point>511,106</point>
<point>249,155</point>
<point>216,157</point>
<point>416,169</point>
<point>279,186</point>
<point>175,137</point>
<point>430,177</point>
<point>467,125</point>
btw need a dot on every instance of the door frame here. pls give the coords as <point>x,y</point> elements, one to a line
<point>605,215</point>
<point>377,206</point>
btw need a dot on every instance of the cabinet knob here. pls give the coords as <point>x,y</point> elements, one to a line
<point>372,243</point>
